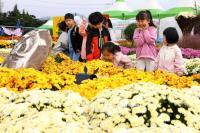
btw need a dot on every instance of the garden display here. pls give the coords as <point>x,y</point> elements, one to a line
<point>98,97</point>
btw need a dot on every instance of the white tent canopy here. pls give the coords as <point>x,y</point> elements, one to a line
<point>181,3</point>
<point>146,4</point>
<point>47,25</point>
<point>119,5</point>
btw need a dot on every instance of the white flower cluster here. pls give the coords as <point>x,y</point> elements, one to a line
<point>5,50</point>
<point>38,111</point>
<point>193,65</point>
<point>145,104</point>
<point>133,59</point>
<point>135,108</point>
<point>164,129</point>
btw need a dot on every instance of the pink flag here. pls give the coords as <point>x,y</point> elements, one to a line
<point>18,32</point>
<point>7,31</point>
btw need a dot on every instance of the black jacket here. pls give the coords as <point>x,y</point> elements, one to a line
<point>76,39</point>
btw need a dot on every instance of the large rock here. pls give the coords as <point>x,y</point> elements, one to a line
<point>31,51</point>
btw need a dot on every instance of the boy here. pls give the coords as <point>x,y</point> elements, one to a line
<point>74,38</point>
<point>97,36</point>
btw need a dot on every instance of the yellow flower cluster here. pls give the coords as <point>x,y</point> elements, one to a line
<point>18,80</point>
<point>71,67</point>
<point>61,76</point>
<point>6,43</point>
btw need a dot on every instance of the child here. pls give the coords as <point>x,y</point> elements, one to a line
<point>74,38</point>
<point>96,37</point>
<point>61,45</point>
<point>145,38</point>
<point>170,57</point>
<point>112,53</point>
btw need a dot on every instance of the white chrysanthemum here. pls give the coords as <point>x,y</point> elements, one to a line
<point>41,110</point>
<point>151,105</point>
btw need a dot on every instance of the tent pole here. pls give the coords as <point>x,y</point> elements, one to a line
<point>158,25</point>
<point>195,5</point>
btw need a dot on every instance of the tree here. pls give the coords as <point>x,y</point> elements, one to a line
<point>10,18</point>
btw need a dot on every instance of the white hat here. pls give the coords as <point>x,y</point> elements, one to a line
<point>78,20</point>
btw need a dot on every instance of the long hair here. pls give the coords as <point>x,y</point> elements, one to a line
<point>111,47</point>
<point>146,15</point>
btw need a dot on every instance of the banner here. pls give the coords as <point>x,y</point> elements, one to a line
<point>56,21</point>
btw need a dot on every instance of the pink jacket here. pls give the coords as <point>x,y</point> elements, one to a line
<point>83,33</point>
<point>122,61</point>
<point>170,59</point>
<point>145,41</point>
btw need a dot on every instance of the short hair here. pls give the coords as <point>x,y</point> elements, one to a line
<point>62,26</point>
<point>69,16</point>
<point>96,18</point>
<point>171,35</point>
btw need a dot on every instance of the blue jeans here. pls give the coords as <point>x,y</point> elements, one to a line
<point>73,55</point>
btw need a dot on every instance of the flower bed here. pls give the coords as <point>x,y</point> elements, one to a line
<point>59,74</point>
<point>47,100</point>
<point>187,53</point>
<point>137,107</point>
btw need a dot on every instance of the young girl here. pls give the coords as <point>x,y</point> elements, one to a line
<point>145,38</point>
<point>112,53</point>
<point>170,57</point>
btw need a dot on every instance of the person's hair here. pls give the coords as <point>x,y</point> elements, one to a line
<point>62,26</point>
<point>107,21</point>
<point>95,18</point>
<point>110,24</point>
<point>145,15</point>
<point>197,29</point>
<point>171,35</point>
<point>111,47</point>
<point>69,16</point>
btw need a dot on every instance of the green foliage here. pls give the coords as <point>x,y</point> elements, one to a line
<point>129,30</point>
<point>10,18</point>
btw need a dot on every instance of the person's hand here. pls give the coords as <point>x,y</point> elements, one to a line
<point>78,51</point>
<point>180,73</point>
<point>139,27</point>
<point>84,20</point>
<point>145,26</point>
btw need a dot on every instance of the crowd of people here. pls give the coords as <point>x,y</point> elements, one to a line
<point>92,40</point>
